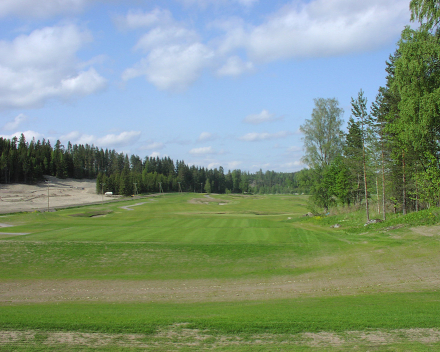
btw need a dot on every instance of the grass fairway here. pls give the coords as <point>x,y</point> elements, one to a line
<point>226,272</point>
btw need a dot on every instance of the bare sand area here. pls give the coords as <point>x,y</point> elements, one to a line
<point>62,193</point>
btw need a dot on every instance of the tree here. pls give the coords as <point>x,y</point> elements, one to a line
<point>322,133</point>
<point>353,157</point>
<point>359,110</point>
<point>208,186</point>
<point>323,141</point>
<point>427,12</point>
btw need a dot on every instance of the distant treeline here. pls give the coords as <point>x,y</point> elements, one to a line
<point>28,162</point>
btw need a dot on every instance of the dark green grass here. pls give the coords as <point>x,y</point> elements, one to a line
<point>334,314</point>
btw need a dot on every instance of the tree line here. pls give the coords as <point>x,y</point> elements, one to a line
<point>28,162</point>
<point>391,149</point>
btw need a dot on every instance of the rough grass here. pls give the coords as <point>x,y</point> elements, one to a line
<point>233,273</point>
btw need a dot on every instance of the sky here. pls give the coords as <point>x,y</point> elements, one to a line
<point>210,82</point>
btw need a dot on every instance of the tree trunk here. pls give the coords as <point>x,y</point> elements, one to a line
<point>365,180</point>
<point>404,184</point>
<point>383,185</point>
<point>377,193</point>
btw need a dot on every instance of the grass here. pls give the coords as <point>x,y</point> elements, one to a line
<point>377,278</point>
<point>331,314</point>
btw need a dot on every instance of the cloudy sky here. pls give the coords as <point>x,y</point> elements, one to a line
<point>210,82</point>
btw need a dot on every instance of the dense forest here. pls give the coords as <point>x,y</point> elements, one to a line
<point>391,150</point>
<point>27,162</point>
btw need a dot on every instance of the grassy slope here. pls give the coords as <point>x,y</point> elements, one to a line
<point>249,238</point>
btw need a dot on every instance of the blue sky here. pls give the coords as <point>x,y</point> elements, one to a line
<point>211,82</point>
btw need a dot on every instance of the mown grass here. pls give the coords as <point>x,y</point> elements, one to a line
<point>249,237</point>
<point>335,314</point>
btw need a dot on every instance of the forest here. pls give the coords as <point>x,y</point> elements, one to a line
<point>28,162</point>
<point>391,150</point>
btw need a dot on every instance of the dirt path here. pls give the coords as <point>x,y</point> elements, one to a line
<point>409,277</point>
<point>177,336</point>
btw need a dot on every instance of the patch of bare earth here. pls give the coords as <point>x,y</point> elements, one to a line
<point>207,199</point>
<point>429,231</point>
<point>362,276</point>
<point>180,336</point>
<point>62,193</point>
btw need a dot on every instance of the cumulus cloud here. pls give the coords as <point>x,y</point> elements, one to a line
<point>293,165</point>
<point>206,136</point>
<point>324,28</point>
<point>28,135</point>
<point>175,58</point>
<point>202,151</point>
<point>294,149</point>
<point>206,3</point>
<point>233,164</point>
<point>122,139</point>
<point>254,136</point>
<point>109,140</point>
<point>214,165</point>
<point>43,65</point>
<point>41,9</point>
<point>154,145</point>
<point>18,120</point>
<point>139,19</point>
<point>263,116</point>
<point>235,66</point>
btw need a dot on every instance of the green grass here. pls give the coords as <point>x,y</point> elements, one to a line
<point>259,238</point>
<point>334,314</point>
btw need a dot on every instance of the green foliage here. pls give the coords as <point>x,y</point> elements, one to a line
<point>322,134</point>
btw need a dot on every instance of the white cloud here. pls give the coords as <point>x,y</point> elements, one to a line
<point>172,67</point>
<point>294,149</point>
<point>43,65</point>
<point>254,136</point>
<point>138,19</point>
<point>205,3</point>
<point>175,57</point>
<point>233,164</point>
<point>154,145</point>
<point>235,66</point>
<point>319,28</point>
<point>263,116</point>
<point>41,9</point>
<point>28,135</point>
<point>293,165</point>
<point>202,151</point>
<point>109,140</point>
<point>169,36</point>
<point>213,165</point>
<point>155,155</point>
<point>206,136</point>
<point>18,120</point>
<point>122,139</point>
<point>324,28</point>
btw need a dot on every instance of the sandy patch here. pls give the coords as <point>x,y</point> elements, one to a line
<point>429,231</point>
<point>206,200</point>
<point>62,193</point>
<point>128,207</point>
